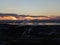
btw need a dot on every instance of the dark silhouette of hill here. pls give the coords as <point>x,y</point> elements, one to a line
<point>17,35</point>
<point>2,14</point>
<point>15,15</point>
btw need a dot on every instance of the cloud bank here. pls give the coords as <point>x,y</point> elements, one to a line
<point>26,17</point>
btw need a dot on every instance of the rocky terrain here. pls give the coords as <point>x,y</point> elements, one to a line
<point>17,35</point>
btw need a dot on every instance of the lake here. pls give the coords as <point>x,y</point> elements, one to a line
<point>35,23</point>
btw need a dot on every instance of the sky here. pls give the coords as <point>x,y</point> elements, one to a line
<point>31,7</point>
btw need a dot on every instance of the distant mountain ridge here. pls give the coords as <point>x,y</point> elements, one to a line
<point>8,14</point>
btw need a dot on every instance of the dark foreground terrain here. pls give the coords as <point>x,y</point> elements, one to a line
<point>18,35</point>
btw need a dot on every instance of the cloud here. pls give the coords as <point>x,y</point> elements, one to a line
<point>8,18</point>
<point>23,17</point>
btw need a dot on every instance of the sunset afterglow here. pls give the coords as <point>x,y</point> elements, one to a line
<point>31,7</point>
<point>27,18</point>
<point>8,18</point>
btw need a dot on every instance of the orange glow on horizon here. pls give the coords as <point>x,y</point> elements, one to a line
<point>26,18</point>
<point>43,18</point>
<point>51,16</point>
<point>8,18</point>
<point>29,18</point>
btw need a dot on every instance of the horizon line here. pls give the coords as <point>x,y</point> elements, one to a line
<point>28,14</point>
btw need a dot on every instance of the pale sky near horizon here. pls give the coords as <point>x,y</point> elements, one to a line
<point>31,7</point>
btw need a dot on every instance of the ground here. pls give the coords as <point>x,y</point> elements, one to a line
<point>14,34</point>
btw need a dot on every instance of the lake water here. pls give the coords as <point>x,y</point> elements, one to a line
<point>35,23</point>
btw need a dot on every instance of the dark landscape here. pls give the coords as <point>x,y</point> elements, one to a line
<point>17,35</point>
<point>29,22</point>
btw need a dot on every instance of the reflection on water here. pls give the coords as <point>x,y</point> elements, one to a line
<point>35,23</point>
